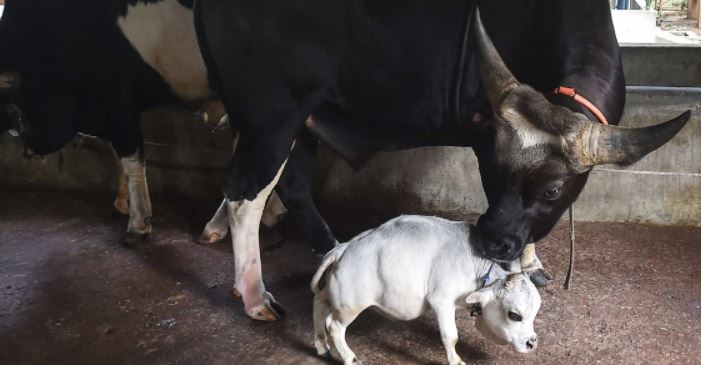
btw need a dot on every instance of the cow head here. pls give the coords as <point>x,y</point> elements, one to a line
<point>539,156</point>
<point>508,308</point>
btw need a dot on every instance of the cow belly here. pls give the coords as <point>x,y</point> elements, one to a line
<point>164,35</point>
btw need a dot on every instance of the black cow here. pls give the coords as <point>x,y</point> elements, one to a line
<point>388,75</point>
<point>86,66</point>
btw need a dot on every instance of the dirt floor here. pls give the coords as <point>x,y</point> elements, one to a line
<point>70,294</point>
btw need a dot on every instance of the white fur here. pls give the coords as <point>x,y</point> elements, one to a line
<point>529,134</point>
<point>412,264</point>
<point>164,35</point>
<point>139,201</point>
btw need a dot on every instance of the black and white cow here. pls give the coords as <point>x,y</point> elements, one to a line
<point>86,66</point>
<point>388,75</point>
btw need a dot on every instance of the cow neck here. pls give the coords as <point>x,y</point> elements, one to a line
<point>581,100</point>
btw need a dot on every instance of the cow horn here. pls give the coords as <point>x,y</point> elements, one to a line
<point>497,78</point>
<point>9,81</point>
<point>624,146</point>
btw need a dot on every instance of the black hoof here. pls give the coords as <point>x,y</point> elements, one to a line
<point>326,355</point>
<point>279,309</point>
<point>132,239</point>
<point>541,277</point>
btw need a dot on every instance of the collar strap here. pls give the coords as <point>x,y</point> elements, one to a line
<point>485,278</point>
<point>572,93</point>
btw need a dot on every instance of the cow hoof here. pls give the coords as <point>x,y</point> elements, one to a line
<point>541,277</point>
<point>326,355</point>
<point>133,239</point>
<point>269,311</point>
<point>208,239</point>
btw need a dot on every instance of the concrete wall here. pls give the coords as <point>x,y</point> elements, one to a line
<point>635,26</point>
<point>662,64</point>
<point>187,158</point>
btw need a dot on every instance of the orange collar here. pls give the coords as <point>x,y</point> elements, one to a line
<point>572,93</point>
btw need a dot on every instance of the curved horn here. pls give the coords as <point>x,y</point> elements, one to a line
<point>497,78</point>
<point>624,146</point>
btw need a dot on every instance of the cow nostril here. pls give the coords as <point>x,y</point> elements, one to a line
<point>530,344</point>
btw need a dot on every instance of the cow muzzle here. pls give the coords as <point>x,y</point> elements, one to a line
<point>501,249</point>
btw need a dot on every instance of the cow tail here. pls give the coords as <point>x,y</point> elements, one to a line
<point>331,258</point>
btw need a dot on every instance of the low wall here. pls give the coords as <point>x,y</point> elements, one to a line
<point>662,64</point>
<point>189,159</point>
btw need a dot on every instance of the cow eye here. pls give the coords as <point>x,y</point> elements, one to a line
<point>552,194</point>
<point>515,316</point>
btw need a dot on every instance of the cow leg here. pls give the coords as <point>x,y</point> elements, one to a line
<point>295,191</point>
<point>340,319</point>
<point>217,227</point>
<point>139,201</point>
<point>275,210</point>
<point>445,313</point>
<point>256,169</point>
<point>121,201</point>
<point>530,263</point>
<point>321,313</point>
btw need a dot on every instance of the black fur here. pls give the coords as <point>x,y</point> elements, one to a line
<point>396,74</point>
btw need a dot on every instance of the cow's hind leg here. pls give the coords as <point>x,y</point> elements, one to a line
<point>340,319</point>
<point>295,191</point>
<point>217,227</point>
<point>256,169</point>
<point>321,313</point>
<point>121,201</point>
<point>139,201</point>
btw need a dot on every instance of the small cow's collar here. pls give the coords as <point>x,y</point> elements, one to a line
<point>476,308</point>
<point>581,100</point>
<point>485,278</point>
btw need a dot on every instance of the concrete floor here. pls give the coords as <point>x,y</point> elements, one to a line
<point>69,294</point>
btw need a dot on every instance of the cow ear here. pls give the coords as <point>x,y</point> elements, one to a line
<point>481,297</point>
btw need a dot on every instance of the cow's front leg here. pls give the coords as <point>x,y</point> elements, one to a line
<point>530,263</point>
<point>139,201</point>
<point>245,208</point>
<point>445,313</point>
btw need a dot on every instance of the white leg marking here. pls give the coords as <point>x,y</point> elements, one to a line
<point>217,227</point>
<point>449,332</point>
<point>244,220</point>
<point>274,211</point>
<point>529,259</point>
<point>121,201</point>
<point>139,201</point>
<point>321,312</point>
<point>337,331</point>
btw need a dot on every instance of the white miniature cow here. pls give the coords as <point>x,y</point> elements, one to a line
<point>411,264</point>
